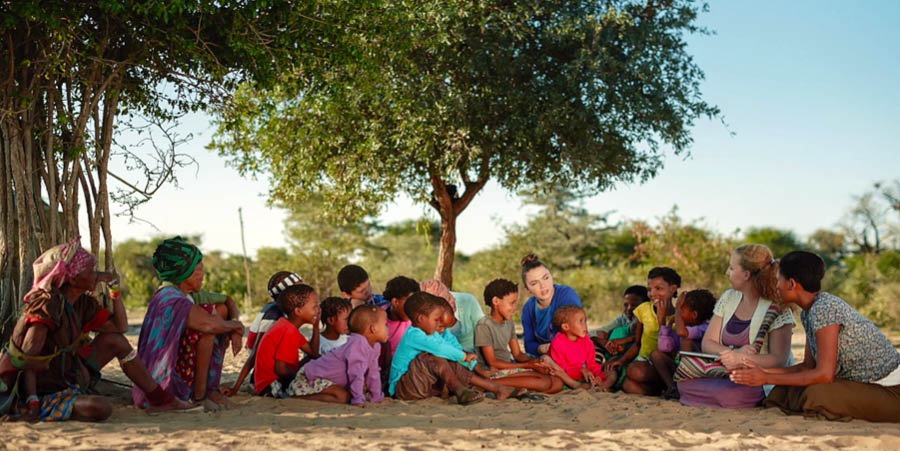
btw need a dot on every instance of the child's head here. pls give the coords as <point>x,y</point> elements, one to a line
<point>335,314</point>
<point>537,278</point>
<point>448,319</point>
<point>281,280</point>
<point>299,302</point>
<point>370,321</point>
<point>353,282</point>
<point>697,307</point>
<point>501,296</point>
<point>397,291</point>
<point>663,283</point>
<point>425,311</point>
<point>800,271</point>
<point>570,320</point>
<point>753,266</point>
<point>634,296</point>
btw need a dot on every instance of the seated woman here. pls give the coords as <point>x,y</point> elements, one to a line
<point>51,362</point>
<point>538,311</point>
<point>849,369</point>
<point>186,330</point>
<point>738,322</point>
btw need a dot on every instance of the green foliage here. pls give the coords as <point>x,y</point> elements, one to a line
<point>779,241</point>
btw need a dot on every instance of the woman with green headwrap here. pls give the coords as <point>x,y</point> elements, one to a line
<point>186,330</point>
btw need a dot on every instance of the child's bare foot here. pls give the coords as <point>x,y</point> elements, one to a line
<point>469,396</point>
<point>509,392</point>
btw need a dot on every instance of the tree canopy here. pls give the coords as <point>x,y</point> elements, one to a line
<point>444,96</point>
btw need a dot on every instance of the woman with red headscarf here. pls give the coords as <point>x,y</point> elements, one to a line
<point>51,360</point>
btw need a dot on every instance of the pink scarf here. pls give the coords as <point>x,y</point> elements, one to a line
<point>58,265</point>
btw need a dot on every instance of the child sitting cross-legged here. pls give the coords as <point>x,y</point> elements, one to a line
<point>278,370</point>
<point>354,365</point>
<point>573,351</point>
<point>498,347</point>
<point>425,362</point>
<point>693,311</point>
<point>335,314</point>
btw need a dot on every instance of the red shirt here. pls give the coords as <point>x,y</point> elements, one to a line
<point>281,342</point>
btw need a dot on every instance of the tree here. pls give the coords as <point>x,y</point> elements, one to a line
<point>73,69</point>
<point>779,241</point>
<point>445,96</point>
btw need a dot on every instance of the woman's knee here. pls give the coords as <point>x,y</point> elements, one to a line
<point>91,408</point>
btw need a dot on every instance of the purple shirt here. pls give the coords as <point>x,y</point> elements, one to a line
<point>353,366</point>
<point>670,342</point>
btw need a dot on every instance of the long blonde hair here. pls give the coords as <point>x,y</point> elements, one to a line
<point>758,259</point>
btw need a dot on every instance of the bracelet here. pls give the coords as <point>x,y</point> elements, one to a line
<point>33,401</point>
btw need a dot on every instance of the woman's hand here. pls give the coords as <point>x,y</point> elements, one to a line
<point>751,375</point>
<point>544,348</point>
<point>732,360</point>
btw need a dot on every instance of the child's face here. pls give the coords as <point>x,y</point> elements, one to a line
<point>380,328</point>
<point>397,307</point>
<point>447,321</point>
<point>339,322</point>
<point>631,303</point>
<point>576,325</point>
<point>687,315</point>
<point>429,323</point>
<point>737,275</point>
<point>660,290</point>
<point>363,292</point>
<point>539,282</point>
<point>506,306</point>
<point>309,313</point>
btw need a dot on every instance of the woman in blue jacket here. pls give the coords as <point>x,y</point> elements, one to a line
<point>546,297</point>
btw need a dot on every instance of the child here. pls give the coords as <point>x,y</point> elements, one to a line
<point>573,351</point>
<point>278,356</point>
<point>354,284</point>
<point>693,311</point>
<point>263,322</point>
<point>640,377</point>
<point>354,365</point>
<point>335,313</point>
<point>498,347</point>
<point>397,291</point>
<point>425,362</point>
<point>613,338</point>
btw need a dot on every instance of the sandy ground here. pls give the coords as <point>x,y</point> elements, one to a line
<point>570,420</point>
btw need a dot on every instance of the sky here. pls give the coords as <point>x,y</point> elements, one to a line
<point>809,90</point>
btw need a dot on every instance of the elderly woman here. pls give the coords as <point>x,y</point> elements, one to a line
<point>849,369</point>
<point>186,330</point>
<point>51,360</point>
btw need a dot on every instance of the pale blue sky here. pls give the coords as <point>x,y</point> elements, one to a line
<point>809,88</point>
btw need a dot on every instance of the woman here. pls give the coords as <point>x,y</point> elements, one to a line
<point>186,330</point>
<point>546,298</point>
<point>849,369</point>
<point>737,320</point>
<point>51,358</point>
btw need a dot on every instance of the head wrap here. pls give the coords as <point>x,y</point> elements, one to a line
<point>175,259</point>
<point>58,265</point>
<point>437,288</point>
<point>291,279</point>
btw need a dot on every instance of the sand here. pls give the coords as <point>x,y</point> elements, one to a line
<point>570,420</point>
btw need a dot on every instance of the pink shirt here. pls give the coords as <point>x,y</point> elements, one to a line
<point>396,329</point>
<point>572,356</point>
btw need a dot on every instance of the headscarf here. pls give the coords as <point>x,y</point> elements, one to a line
<point>289,280</point>
<point>175,259</point>
<point>58,265</point>
<point>437,288</point>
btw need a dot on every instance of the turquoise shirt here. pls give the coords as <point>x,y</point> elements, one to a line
<point>415,342</point>
<point>468,313</point>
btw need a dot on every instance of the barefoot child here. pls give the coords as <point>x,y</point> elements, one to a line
<point>335,314</point>
<point>425,362</point>
<point>612,339</point>
<point>498,347</point>
<point>573,351</point>
<point>693,311</point>
<point>354,365</point>
<point>278,356</point>
<point>262,323</point>
<point>640,377</point>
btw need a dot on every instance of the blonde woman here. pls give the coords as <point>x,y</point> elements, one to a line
<point>735,326</point>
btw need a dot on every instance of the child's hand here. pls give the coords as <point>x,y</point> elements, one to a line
<point>680,299</point>
<point>587,376</point>
<point>538,366</point>
<point>230,391</point>
<point>469,357</point>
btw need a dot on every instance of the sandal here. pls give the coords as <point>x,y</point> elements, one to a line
<point>469,397</point>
